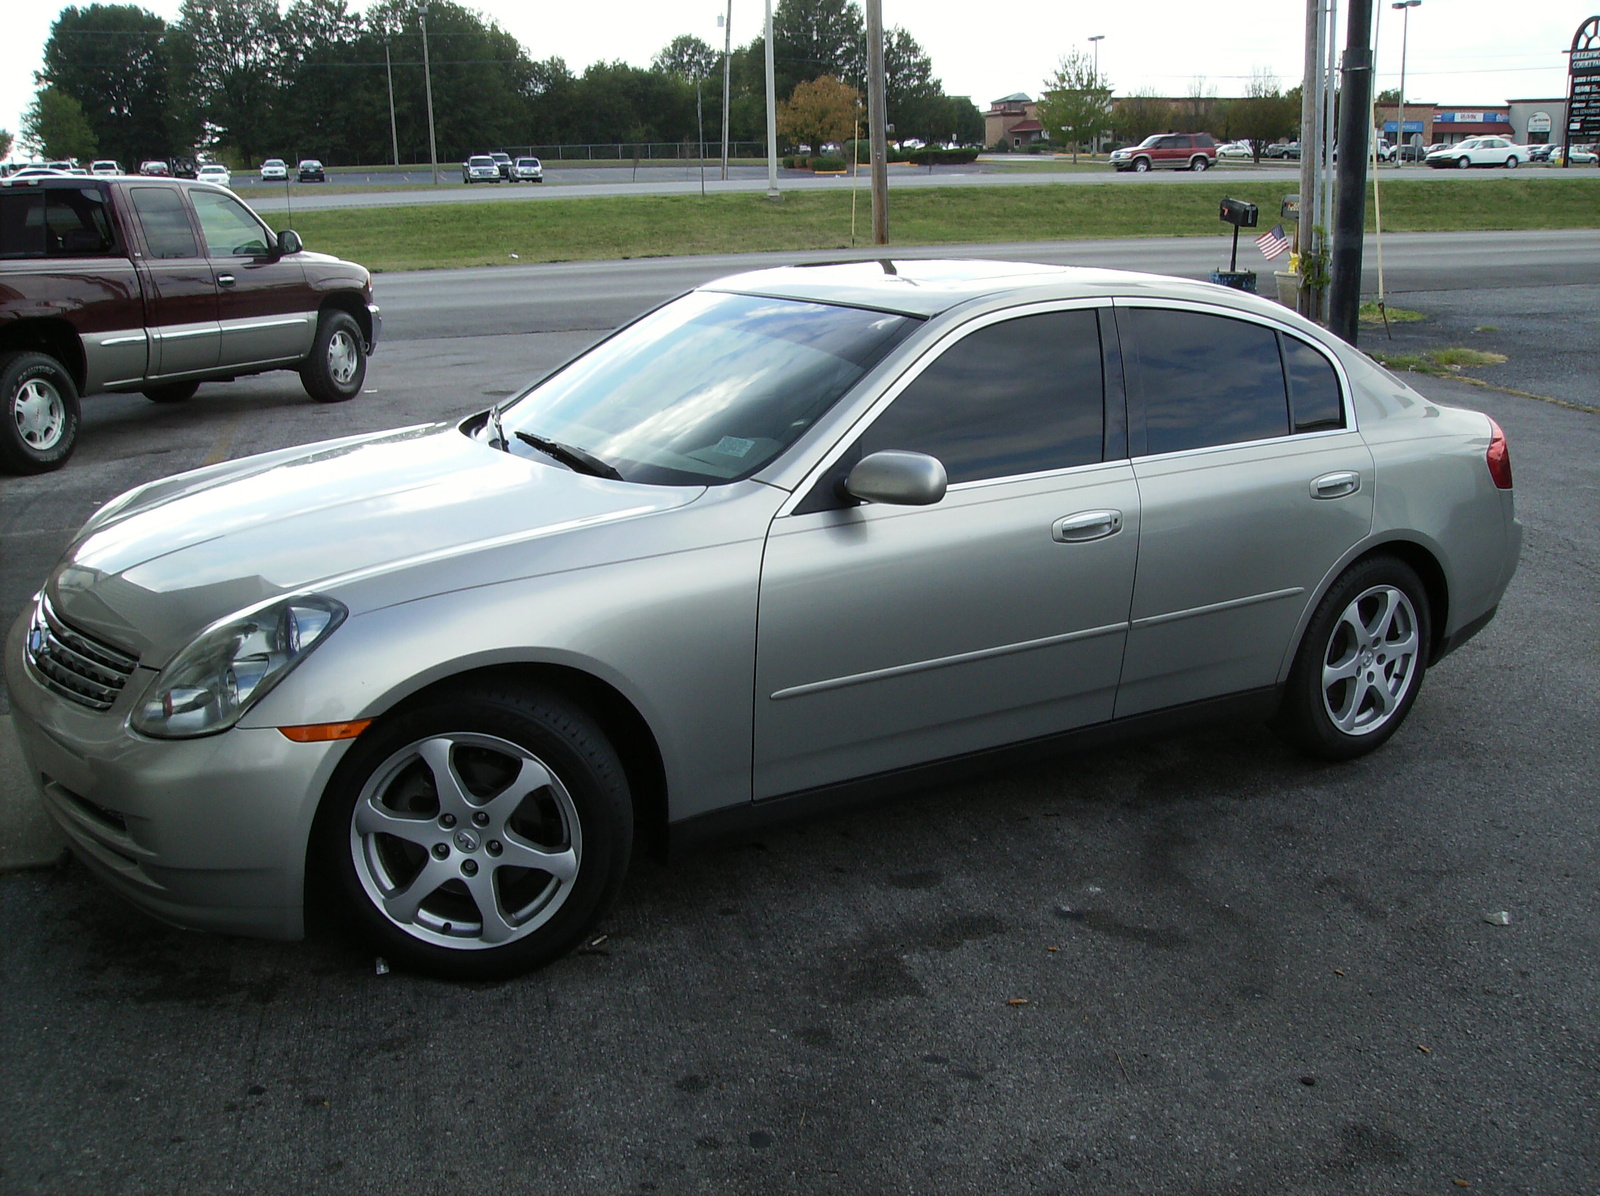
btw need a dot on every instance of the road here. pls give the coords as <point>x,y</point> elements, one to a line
<point>1243,973</point>
<point>601,182</point>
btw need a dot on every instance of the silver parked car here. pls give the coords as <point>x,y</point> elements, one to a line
<point>797,535</point>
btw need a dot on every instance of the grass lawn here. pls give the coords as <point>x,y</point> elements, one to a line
<point>483,234</point>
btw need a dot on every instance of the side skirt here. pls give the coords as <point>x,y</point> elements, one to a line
<point>736,822</point>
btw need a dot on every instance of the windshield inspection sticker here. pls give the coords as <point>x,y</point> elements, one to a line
<point>733,446</point>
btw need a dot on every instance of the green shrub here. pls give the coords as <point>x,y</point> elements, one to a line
<point>943,157</point>
<point>827,162</point>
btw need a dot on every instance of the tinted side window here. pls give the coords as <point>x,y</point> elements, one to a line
<point>1313,388</point>
<point>1206,380</point>
<point>166,225</point>
<point>59,222</point>
<point>1021,396</point>
<point>21,224</point>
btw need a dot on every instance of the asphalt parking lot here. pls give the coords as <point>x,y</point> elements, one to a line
<point>1202,965</point>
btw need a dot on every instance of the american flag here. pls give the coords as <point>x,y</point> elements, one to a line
<point>1273,244</point>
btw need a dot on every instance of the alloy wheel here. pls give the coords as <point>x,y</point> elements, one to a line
<point>40,414</point>
<point>1370,662</point>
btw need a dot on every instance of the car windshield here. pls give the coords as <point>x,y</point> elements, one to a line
<point>707,389</point>
<point>1151,140</point>
<point>480,161</point>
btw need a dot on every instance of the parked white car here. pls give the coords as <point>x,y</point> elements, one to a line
<point>1479,151</point>
<point>274,170</point>
<point>105,166</point>
<point>527,170</point>
<point>215,172</point>
<point>1235,149</point>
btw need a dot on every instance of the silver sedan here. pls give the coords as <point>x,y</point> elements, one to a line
<point>798,536</point>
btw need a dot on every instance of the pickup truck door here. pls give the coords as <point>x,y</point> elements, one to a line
<point>266,312</point>
<point>181,294</point>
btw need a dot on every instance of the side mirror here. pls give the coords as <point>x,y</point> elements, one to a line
<point>898,478</point>
<point>289,242</point>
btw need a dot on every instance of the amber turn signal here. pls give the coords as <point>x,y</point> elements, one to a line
<point>323,732</point>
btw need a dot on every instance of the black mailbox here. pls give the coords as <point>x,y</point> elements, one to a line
<point>1238,213</point>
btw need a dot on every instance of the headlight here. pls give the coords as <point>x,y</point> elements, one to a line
<point>210,684</point>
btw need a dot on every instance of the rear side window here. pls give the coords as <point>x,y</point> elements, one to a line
<point>1206,380</point>
<point>58,222</point>
<point>1313,388</point>
<point>167,230</point>
<point>1022,396</point>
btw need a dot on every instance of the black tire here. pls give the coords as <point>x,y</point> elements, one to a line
<point>1361,664</point>
<point>40,402</point>
<point>1463,162</point>
<point>337,364</point>
<point>1141,165</point>
<point>175,392</point>
<point>1511,162</point>
<point>1199,165</point>
<point>407,894</point>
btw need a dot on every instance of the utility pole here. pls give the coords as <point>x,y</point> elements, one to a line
<point>877,123</point>
<point>1405,7</point>
<point>1355,120</point>
<point>1310,117</point>
<point>1094,41</point>
<point>388,69</point>
<point>727,70</point>
<point>427,78</point>
<point>772,115</point>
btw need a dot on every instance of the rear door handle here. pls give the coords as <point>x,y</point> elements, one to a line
<point>225,280</point>
<point>1335,485</point>
<point>1086,525</point>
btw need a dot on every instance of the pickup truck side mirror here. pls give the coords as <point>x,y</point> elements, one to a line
<point>289,242</point>
<point>899,478</point>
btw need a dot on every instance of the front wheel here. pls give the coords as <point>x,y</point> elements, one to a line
<point>337,365</point>
<point>1463,162</point>
<point>41,413</point>
<point>1361,663</point>
<point>477,836</point>
<point>1199,165</point>
<point>1141,165</point>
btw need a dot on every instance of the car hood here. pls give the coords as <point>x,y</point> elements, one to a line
<point>163,562</point>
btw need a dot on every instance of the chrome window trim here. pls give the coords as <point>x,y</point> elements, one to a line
<point>1346,391</point>
<point>913,370</point>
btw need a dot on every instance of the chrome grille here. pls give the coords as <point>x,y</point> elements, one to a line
<point>74,665</point>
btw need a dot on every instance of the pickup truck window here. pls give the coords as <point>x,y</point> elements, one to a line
<point>166,225</point>
<point>230,230</point>
<point>54,223</point>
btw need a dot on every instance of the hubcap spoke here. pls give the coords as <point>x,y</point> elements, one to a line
<point>495,926</point>
<point>402,904</point>
<point>519,853</point>
<point>452,793</point>
<point>530,778</point>
<point>373,819</point>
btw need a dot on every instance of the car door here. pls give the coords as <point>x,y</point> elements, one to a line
<point>894,635</point>
<point>181,300</point>
<point>264,308</point>
<point>1253,483</point>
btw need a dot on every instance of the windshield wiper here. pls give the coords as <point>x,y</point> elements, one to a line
<point>572,457</point>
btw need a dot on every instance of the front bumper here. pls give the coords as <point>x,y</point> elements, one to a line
<point>375,318</point>
<point>209,833</point>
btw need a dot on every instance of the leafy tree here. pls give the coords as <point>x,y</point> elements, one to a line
<point>687,57</point>
<point>111,60</point>
<point>1198,111</point>
<point>56,127</point>
<point>5,143</point>
<point>225,58</point>
<point>820,111</point>
<point>1137,116</point>
<point>1265,114</point>
<point>1076,103</point>
<point>812,38</point>
<point>1389,95</point>
<point>327,107</point>
<point>913,97</point>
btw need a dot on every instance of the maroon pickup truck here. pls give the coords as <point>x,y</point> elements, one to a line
<point>157,285</point>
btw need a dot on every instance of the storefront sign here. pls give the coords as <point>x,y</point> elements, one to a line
<point>1539,122</point>
<point>1583,94</point>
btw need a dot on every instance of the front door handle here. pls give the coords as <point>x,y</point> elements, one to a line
<point>1336,485</point>
<point>225,280</point>
<point>1086,525</point>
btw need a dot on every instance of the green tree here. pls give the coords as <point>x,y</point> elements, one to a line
<point>225,57</point>
<point>5,143</point>
<point>1137,116</point>
<point>1076,104</point>
<point>1265,114</point>
<point>913,97</point>
<point>111,60</point>
<point>56,127</point>
<point>687,57</point>
<point>812,38</point>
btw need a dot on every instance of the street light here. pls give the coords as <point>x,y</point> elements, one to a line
<point>1400,125</point>
<point>427,78</point>
<point>1095,42</point>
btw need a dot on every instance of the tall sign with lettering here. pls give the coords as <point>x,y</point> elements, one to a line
<point>1583,88</point>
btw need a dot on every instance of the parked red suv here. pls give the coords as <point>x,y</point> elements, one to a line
<point>1168,151</point>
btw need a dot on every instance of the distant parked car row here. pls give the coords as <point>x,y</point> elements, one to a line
<point>499,168</point>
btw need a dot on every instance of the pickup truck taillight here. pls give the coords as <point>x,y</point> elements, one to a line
<point>1499,457</point>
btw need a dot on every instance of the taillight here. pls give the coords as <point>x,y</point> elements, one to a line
<point>1499,457</point>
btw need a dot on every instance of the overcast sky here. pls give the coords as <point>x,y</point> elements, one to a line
<point>1465,52</point>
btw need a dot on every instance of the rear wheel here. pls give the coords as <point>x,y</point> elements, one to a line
<point>480,835</point>
<point>1199,164</point>
<point>1361,663</point>
<point>337,365</point>
<point>176,392</point>
<point>40,427</point>
<point>1511,162</point>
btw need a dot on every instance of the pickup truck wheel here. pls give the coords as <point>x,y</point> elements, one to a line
<point>175,392</point>
<point>337,365</point>
<point>41,413</point>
